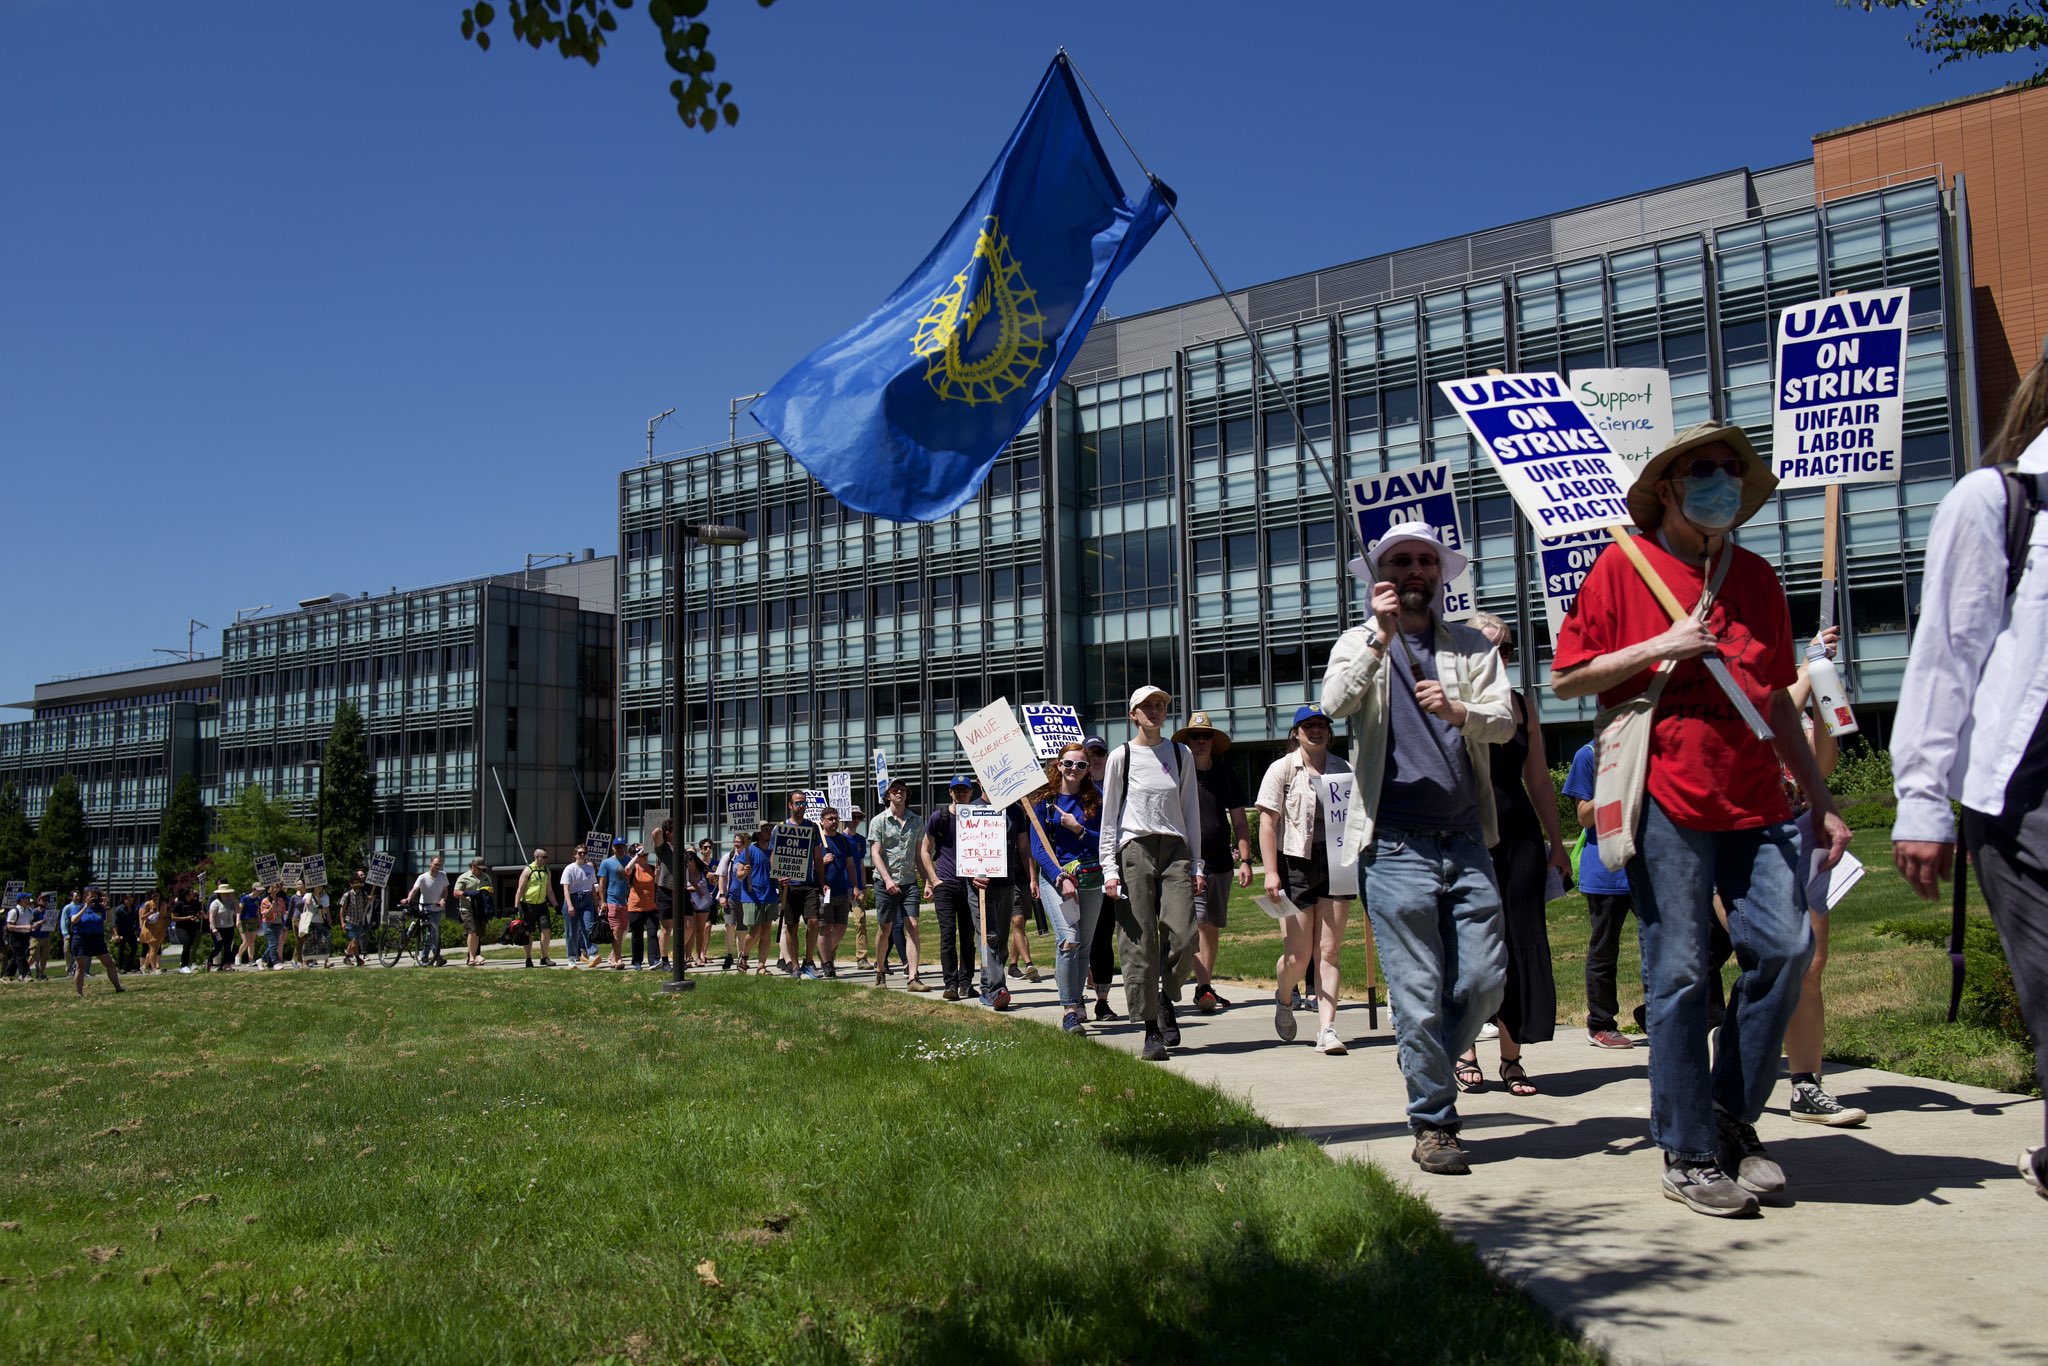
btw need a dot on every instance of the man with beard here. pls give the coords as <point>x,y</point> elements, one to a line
<point>1430,697</point>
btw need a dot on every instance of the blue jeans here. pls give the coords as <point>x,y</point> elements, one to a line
<point>1437,921</point>
<point>1075,936</point>
<point>577,922</point>
<point>273,944</point>
<point>1673,878</point>
<point>430,942</point>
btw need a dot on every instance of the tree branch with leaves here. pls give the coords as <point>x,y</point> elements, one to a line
<point>580,29</point>
<point>1952,30</point>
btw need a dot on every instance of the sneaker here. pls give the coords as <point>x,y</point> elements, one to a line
<point>1001,1000</point>
<point>1071,1022</point>
<point>1742,1153</point>
<point>1438,1152</point>
<point>1222,1001</point>
<point>1489,1030</point>
<point>1155,1045</point>
<point>1169,1026</point>
<point>1105,1011</point>
<point>916,985</point>
<point>832,971</point>
<point>726,966</point>
<point>1016,971</point>
<point>1205,999</point>
<point>808,974</point>
<point>860,963</point>
<point>1283,1022</point>
<point>1031,972</point>
<point>1608,1038</point>
<point>184,972</point>
<point>1328,1042</point>
<point>952,994</point>
<point>1815,1106</point>
<point>2032,1163</point>
<point>1704,1188</point>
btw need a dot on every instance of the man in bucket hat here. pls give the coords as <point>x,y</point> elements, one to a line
<point>1716,817</point>
<point>1429,697</point>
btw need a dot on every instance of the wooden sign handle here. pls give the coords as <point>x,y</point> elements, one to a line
<point>1831,532</point>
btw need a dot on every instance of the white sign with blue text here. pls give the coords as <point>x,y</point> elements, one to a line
<point>1427,494</point>
<point>1052,727</point>
<point>742,804</point>
<point>1565,564</point>
<point>1561,471</point>
<point>1839,408</point>
<point>881,774</point>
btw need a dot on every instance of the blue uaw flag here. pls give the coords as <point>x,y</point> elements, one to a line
<point>902,414</point>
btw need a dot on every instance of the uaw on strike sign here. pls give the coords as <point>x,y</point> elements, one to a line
<point>1560,469</point>
<point>1839,405</point>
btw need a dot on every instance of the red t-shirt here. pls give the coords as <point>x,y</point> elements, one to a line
<point>1706,770</point>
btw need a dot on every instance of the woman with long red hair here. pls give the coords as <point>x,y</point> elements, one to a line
<point>1069,874</point>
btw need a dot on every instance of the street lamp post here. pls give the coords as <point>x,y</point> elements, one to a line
<point>680,536</point>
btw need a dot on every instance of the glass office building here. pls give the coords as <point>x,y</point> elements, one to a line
<point>487,705</point>
<point>1164,520</point>
<point>128,736</point>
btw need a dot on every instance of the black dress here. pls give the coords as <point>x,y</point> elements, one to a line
<point>1529,1010</point>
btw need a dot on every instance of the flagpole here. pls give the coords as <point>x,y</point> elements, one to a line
<point>1356,538</point>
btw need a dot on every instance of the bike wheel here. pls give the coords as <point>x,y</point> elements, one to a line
<point>390,941</point>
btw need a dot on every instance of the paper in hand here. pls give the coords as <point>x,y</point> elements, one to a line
<point>1279,907</point>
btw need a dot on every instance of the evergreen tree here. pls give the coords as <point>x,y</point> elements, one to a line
<point>181,847</point>
<point>62,857</point>
<point>17,839</point>
<point>255,824</point>
<point>348,794</point>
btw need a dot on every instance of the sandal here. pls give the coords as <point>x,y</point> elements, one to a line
<point>1515,1078</point>
<point>1468,1076</point>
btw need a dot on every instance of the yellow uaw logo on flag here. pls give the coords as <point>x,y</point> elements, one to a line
<point>991,291</point>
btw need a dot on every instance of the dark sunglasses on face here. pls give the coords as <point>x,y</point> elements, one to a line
<point>1706,469</point>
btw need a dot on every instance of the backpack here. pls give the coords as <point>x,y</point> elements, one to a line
<point>2022,501</point>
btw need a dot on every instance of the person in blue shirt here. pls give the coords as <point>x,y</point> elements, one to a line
<point>88,940</point>
<point>840,855</point>
<point>1069,876</point>
<point>753,897</point>
<point>612,873</point>
<point>1607,899</point>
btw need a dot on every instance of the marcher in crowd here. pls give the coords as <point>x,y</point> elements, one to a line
<point>1972,722</point>
<point>663,854</point>
<point>126,924</point>
<point>611,875</point>
<point>894,835</point>
<point>1715,817</point>
<point>1070,874</point>
<point>703,894</point>
<point>88,940</point>
<point>1294,849</point>
<point>729,899</point>
<point>1431,698</point>
<point>355,920</point>
<point>250,923</point>
<point>1607,908</point>
<point>800,895</point>
<point>223,917</point>
<point>1102,952</point>
<point>429,895</point>
<point>952,897</point>
<point>1226,840</point>
<point>272,914</point>
<point>153,928</point>
<point>1530,844</point>
<point>840,861</point>
<point>1151,823</point>
<point>188,925</point>
<point>21,919</point>
<point>40,934</point>
<point>642,882</point>
<point>475,905</point>
<point>579,909</point>
<point>759,909</point>
<point>535,898</point>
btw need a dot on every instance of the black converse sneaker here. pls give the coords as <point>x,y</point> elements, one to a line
<point>1815,1106</point>
<point>1704,1188</point>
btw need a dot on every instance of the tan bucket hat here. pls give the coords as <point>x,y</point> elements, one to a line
<point>1199,724</point>
<point>1758,482</point>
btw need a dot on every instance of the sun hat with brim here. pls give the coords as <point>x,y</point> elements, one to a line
<point>1758,483</point>
<point>1198,724</point>
<point>1400,533</point>
<point>223,890</point>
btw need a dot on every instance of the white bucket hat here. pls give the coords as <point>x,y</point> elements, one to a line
<point>1421,533</point>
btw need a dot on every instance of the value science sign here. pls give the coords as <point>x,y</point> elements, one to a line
<point>1426,494</point>
<point>1839,404</point>
<point>1562,472</point>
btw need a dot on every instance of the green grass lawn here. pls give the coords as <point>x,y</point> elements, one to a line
<point>1887,1000</point>
<point>570,1168</point>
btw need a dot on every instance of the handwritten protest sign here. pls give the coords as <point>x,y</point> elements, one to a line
<point>1630,407</point>
<point>379,873</point>
<point>1559,468</point>
<point>313,872</point>
<point>1333,790</point>
<point>789,852</point>
<point>1565,564</point>
<point>1000,754</point>
<point>1840,404</point>
<point>1427,493</point>
<point>981,847</point>
<point>743,804</point>
<point>267,869</point>
<point>839,786</point>
<point>1052,727</point>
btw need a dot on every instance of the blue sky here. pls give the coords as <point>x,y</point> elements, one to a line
<point>304,298</point>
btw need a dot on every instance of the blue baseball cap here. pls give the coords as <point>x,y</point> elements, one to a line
<point>961,780</point>
<point>1306,714</point>
<point>1095,744</point>
<point>618,841</point>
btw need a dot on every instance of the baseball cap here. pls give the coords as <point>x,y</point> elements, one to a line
<point>1095,744</point>
<point>1305,714</point>
<point>961,780</point>
<point>1146,690</point>
<point>618,841</point>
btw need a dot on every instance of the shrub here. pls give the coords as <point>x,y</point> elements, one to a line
<point>1989,997</point>
<point>1567,807</point>
<point>1863,769</point>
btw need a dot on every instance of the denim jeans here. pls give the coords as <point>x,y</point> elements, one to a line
<point>430,942</point>
<point>1073,931</point>
<point>1673,878</point>
<point>1437,921</point>
<point>273,944</point>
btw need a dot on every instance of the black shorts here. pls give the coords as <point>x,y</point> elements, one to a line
<point>84,945</point>
<point>664,903</point>
<point>799,903</point>
<point>837,910</point>
<point>1307,880</point>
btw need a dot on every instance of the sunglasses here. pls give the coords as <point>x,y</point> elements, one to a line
<point>1707,469</point>
<point>1074,765</point>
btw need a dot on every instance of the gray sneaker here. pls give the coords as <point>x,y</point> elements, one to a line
<point>1704,1188</point>
<point>1742,1153</point>
<point>1283,1021</point>
<point>1438,1152</point>
<point>2033,1161</point>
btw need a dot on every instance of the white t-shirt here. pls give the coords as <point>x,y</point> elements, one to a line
<point>428,890</point>
<point>1162,799</point>
<point>578,879</point>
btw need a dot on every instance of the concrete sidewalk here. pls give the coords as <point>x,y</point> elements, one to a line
<point>1911,1238</point>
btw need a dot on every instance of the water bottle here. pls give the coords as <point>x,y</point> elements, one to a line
<point>1829,694</point>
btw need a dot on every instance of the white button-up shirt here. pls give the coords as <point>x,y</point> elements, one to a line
<point>1977,680</point>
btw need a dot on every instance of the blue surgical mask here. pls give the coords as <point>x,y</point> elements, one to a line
<point>1712,503</point>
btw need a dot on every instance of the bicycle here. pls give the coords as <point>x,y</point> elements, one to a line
<point>400,934</point>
